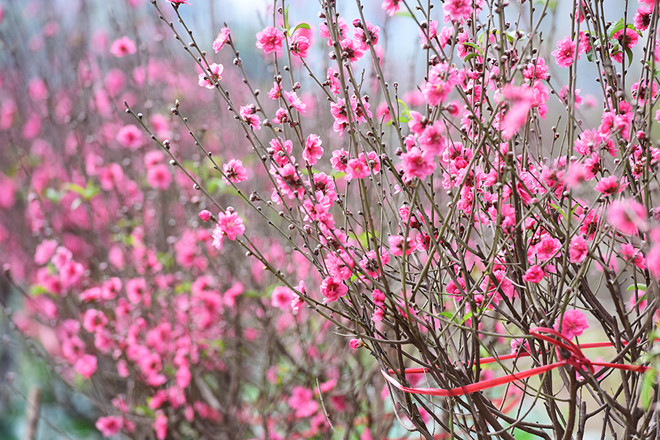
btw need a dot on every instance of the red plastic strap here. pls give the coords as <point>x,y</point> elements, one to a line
<point>575,358</point>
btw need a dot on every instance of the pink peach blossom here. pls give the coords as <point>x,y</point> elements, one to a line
<point>578,249</point>
<point>332,289</point>
<point>313,150</point>
<point>209,78</point>
<point>391,6</point>
<point>130,137</point>
<point>627,216</point>
<point>534,274</point>
<point>565,53</point>
<point>270,40</point>
<point>110,425</point>
<point>86,365</point>
<point>282,297</point>
<point>235,171</point>
<point>159,177</point>
<point>221,39</point>
<point>573,323</point>
<point>122,47</point>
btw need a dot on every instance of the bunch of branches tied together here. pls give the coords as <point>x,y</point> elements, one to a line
<point>448,219</point>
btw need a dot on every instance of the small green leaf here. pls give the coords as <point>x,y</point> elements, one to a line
<point>646,391</point>
<point>165,258</point>
<point>286,18</point>
<point>87,193</point>
<point>363,239</point>
<point>403,14</point>
<point>254,294</point>
<point>182,288</point>
<point>467,316</point>
<point>406,110</point>
<point>300,26</point>
<point>474,46</point>
<point>53,195</point>
<point>218,344</point>
<point>617,27</point>
<point>38,289</point>
<point>144,410</point>
<point>73,187</point>
<point>469,56</point>
<point>558,209</point>
<point>217,184</point>
<point>449,315</point>
<point>629,54</point>
<point>519,434</point>
<point>639,286</point>
<point>590,55</point>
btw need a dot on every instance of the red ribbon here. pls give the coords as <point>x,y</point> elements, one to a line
<point>575,358</point>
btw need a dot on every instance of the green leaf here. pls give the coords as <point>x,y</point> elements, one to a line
<point>401,119</point>
<point>254,294</point>
<point>467,316</point>
<point>53,195</point>
<point>91,191</point>
<point>166,259</point>
<point>82,427</point>
<point>646,391</point>
<point>362,238</point>
<point>126,239</point>
<point>519,434</point>
<point>144,410</point>
<point>650,66</point>
<point>218,344</point>
<point>639,286</point>
<point>87,193</point>
<point>217,184</point>
<point>469,56</point>
<point>449,315</point>
<point>182,288</point>
<point>474,46</point>
<point>251,392</point>
<point>617,27</point>
<point>406,110</point>
<point>38,289</point>
<point>300,26</point>
<point>286,18</point>
<point>590,55</point>
<point>558,209</point>
<point>403,14</point>
<point>73,187</point>
<point>629,54</point>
